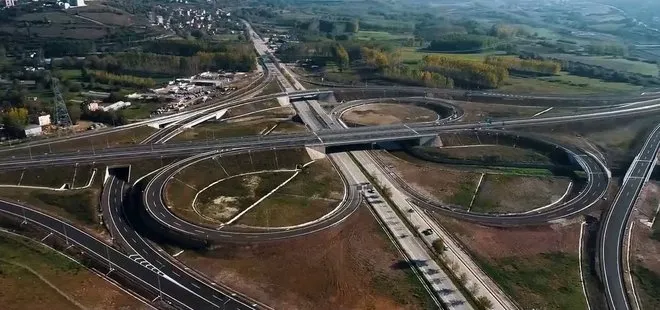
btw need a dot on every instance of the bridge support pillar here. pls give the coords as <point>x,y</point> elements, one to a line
<point>315,151</point>
<point>434,141</point>
<point>284,101</point>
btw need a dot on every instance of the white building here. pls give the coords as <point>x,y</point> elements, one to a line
<point>43,120</point>
<point>116,106</point>
<point>33,130</point>
<point>80,3</point>
<point>10,3</point>
<point>93,106</point>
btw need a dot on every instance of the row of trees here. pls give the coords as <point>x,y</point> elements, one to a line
<point>606,49</point>
<point>459,42</point>
<point>506,31</point>
<point>192,47</point>
<point>544,67</point>
<point>15,120</point>
<point>417,76</point>
<point>467,73</point>
<point>149,63</point>
<point>116,79</point>
<point>330,26</point>
<point>341,56</point>
<point>375,58</point>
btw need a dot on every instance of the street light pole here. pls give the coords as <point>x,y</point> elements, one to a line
<point>66,238</point>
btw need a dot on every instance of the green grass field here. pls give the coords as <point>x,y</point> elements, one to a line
<point>71,74</point>
<point>542,281</point>
<point>79,206</point>
<point>619,64</point>
<point>413,55</point>
<point>648,283</point>
<point>565,84</point>
<point>380,36</point>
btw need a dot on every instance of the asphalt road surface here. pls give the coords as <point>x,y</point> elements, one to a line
<point>616,220</point>
<point>191,292</point>
<point>327,137</point>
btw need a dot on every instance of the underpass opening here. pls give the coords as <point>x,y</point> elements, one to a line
<point>120,172</point>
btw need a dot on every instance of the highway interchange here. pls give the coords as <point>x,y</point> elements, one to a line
<point>139,259</point>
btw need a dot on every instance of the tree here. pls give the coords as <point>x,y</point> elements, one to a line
<point>341,56</point>
<point>439,246</point>
<point>75,112</point>
<point>15,120</point>
<point>484,303</point>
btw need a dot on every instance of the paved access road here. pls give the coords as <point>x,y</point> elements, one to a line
<point>130,266</point>
<point>194,294</point>
<point>616,220</point>
<point>327,137</point>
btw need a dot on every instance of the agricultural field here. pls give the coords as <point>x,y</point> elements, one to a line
<point>54,281</point>
<point>380,36</point>
<point>614,63</point>
<point>565,84</point>
<point>414,55</point>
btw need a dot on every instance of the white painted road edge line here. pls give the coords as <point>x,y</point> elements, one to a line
<point>584,288</point>
<point>637,304</point>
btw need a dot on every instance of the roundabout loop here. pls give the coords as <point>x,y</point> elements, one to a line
<point>153,199</point>
<point>595,188</point>
<point>442,107</point>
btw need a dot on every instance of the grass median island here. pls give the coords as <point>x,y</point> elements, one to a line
<point>97,142</point>
<point>475,111</point>
<point>53,177</point>
<point>78,206</point>
<point>253,107</point>
<point>489,154</point>
<point>314,192</point>
<point>497,195</point>
<point>439,182</point>
<point>273,87</point>
<point>243,179</point>
<point>29,271</point>
<point>224,200</point>
<point>217,129</point>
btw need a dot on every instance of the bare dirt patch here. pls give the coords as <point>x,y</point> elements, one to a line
<point>645,247</point>
<point>496,194</point>
<point>350,267</point>
<point>388,113</point>
<point>537,266</point>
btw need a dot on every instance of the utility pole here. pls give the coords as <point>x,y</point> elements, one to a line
<point>60,112</point>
